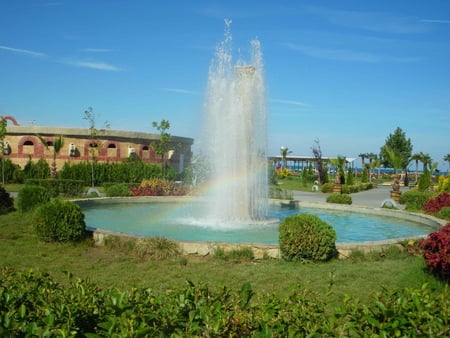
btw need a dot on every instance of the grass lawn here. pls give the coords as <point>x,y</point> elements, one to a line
<point>358,277</point>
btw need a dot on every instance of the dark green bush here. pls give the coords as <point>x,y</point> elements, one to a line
<point>6,202</point>
<point>31,196</point>
<point>117,190</point>
<point>59,221</point>
<point>339,198</point>
<point>414,199</point>
<point>306,236</point>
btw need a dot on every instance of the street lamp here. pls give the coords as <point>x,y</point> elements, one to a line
<point>6,151</point>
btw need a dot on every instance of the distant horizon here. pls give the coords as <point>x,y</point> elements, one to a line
<point>346,73</point>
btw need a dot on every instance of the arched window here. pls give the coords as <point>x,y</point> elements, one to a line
<point>28,143</point>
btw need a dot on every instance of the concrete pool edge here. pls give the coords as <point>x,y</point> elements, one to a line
<point>272,251</point>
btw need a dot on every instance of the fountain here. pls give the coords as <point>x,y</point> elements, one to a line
<point>235,137</point>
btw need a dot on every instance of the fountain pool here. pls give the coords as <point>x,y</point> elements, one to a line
<point>179,220</point>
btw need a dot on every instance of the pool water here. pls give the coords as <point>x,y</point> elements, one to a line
<point>180,221</point>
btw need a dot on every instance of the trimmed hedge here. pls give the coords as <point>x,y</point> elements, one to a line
<point>306,237</point>
<point>57,187</point>
<point>59,221</point>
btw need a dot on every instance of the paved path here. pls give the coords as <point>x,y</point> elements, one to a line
<point>369,198</point>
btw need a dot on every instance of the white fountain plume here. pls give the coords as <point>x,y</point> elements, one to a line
<point>236,136</point>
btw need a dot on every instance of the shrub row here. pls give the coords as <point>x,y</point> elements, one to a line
<point>159,187</point>
<point>64,187</point>
<point>128,171</point>
<point>347,189</point>
<point>414,200</point>
<point>33,304</point>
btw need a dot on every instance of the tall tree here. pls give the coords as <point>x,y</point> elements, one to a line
<point>161,147</point>
<point>3,124</point>
<point>95,145</point>
<point>284,153</point>
<point>58,143</point>
<point>400,146</point>
<point>447,158</point>
<point>320,165</point>
<point>416,157</point>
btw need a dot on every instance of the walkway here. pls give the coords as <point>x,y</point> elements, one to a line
<point>369,198</point>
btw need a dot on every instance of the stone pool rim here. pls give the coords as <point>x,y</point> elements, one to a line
<point>204,248</point>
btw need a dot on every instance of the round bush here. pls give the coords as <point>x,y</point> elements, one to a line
<point>339,198</point>
<point>306,236</point>
<point>59,221</point>
<point>444,213</point>
<point>31,196</point>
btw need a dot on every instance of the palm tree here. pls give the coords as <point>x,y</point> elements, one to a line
<point>284,153</point>
<point>58,143</point>
<point>425,159</point>
<point>417,157</point>
<point>371,157</point>
<point>396,160</point>
<point>447,158</point>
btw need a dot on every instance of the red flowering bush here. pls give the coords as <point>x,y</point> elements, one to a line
<point>437,203</point>
<point>158,187</point>
<point>436,251</point>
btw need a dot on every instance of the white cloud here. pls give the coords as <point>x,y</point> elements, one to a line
<point>180,91</point>
<point>22,51</point>
<point>435,21</point>
<point>95,65</point>
<point>289,102</point>
<point>335,54</point>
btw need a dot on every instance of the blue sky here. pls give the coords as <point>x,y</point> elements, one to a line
<point>347,72</point>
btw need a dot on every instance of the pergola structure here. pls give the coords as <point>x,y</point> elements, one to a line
<point>297,162</point>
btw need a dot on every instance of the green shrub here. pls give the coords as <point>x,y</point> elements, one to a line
<point>240,254</point>
<point>31,196</point>
<point>118,190</point>
<point>280,193</point>
<point>6,202</point>
<point>59,221</point>
<point>444,213</point>
<point>68,188</point>
<point>414,199</point>
<point>306,237</point>
<point>339,198</point>
<point>327,187</point>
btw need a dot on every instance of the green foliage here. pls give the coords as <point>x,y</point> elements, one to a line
<point>306,237</point>
<point>424,180</point>
<point>33,304</point>
<point>40,169</point>
<point>6,202</point>
<point>143,249</point>
<point>59,221</point>
<point>118,190</point>
<point>55,188</point>
<point>339,198</point>
<point>129,171</point>
<point>240,254</point>
<point>414,200</point>
<point>31,196</point>
<point>399,145</point>
<point>444,213</point>
<point>350,179</point>
<point>12,172</point>
<point>326,188</point>
<point>280,193</point>
<point>365,175</point>
<point>159,187</point>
